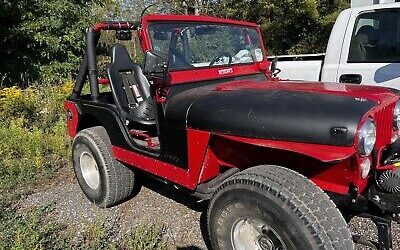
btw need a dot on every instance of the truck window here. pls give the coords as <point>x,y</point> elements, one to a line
<point>376,38</point>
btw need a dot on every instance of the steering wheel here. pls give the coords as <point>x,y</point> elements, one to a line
<point>215,59</point>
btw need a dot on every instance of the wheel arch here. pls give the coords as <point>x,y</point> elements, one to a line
<point>334,175</point>
<point>88,121</point>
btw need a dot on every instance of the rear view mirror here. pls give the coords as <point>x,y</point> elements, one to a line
<point>160,35</point>
<point>274,68</point>
<point>123,35</point>
<point>156,64</point>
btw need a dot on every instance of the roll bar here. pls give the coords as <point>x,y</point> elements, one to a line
<point>88,67</point>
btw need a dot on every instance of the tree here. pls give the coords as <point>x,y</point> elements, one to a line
<point>290,26</point>
<point>43,39</point>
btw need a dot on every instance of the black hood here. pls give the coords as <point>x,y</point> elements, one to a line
<point>285,115</point>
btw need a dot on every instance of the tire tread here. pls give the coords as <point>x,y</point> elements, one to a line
<point>311,204</point>
<point>120,179</point>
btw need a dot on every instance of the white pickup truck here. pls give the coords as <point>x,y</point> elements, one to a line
<point>363,48</point>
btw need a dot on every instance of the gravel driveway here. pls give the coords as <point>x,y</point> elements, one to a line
<point>180,214</point>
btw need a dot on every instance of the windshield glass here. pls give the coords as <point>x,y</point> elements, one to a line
<point>193,45</point>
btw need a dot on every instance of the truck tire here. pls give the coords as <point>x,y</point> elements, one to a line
<point>104,181</point>
<point>271,207</point>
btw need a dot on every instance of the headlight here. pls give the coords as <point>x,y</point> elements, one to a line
<point>367,137</point>
<point>396,116</point>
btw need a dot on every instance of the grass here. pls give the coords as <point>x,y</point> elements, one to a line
<point>33,146</point>
<point>146,237</point>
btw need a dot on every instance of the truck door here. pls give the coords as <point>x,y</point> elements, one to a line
<point>371,50</point>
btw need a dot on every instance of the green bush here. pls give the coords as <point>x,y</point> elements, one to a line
<point>33,144</point>
<point>33,136</point>
<point>146,237</point>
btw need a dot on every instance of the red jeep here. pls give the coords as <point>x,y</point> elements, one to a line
<point>284,164</point>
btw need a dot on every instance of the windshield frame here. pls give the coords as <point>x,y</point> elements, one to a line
<point>205,73</point>
<point>241,55</point>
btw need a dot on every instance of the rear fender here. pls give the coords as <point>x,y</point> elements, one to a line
<point>72,117</point>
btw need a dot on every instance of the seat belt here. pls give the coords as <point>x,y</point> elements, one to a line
<point>131,89</point>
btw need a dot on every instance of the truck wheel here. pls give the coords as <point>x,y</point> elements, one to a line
<point>271,207</point>
<point>105,181</point>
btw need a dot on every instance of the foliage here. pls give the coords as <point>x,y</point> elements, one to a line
<point>146,237</point>
<point>43,39</point>
<point>290,26</point>
<point>96,236</point>
<point>33,144</point>
<point>28,230</point>
<point>33,137</point>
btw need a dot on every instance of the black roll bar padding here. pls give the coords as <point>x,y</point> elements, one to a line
<point>92,38</point>
<point>88,65</point>
<point>81,78</point>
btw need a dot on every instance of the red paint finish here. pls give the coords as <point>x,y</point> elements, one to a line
<point>114,25</point>
<point>197,142</point>
<point>333,176</point>
<point>197,146</point>
<point>153,166</point>
<point>374,93</point>
<point>192,18</point>
<point>383,117</point>
<point>337,177</point>
<point>218,72</point>
<point>72,117</point>
<point>324,153</point>
<point>104,81</point>
<point>211,167</point>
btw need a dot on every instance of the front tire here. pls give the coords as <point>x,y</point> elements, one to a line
<point>104,181</point>
<point>271,207</point>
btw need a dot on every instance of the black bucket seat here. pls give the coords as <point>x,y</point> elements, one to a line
<point>130,88</point>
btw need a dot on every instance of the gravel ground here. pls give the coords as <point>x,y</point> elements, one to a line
<point>180,215</point>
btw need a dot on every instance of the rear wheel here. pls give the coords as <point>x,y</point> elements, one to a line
<point>105,181</point>
<point>271,207</point>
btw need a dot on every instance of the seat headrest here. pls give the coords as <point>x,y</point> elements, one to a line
<point>369,32</point>
<point>119,55</point>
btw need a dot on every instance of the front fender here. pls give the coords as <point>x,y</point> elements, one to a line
<point>323,153</point>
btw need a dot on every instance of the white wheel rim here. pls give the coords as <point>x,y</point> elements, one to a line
<point>252,234</point>
<point>89,170</point>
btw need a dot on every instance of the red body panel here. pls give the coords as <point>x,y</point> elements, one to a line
<point>187,178</point>
<point>324,153</point>
<point>72,117</point>
<point>191,18</point>
<point>373,93</point>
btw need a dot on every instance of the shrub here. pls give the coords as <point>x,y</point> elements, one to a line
<point>146,237</point>
<point>33,136</point>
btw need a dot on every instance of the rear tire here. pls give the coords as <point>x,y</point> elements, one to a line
<point>271,207</point>
<point>104,181</point>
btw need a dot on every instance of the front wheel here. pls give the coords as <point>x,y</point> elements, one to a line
<point>271,207</point>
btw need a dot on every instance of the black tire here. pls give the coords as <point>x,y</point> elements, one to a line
<point>113,182</point>
<point>295,212</point>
